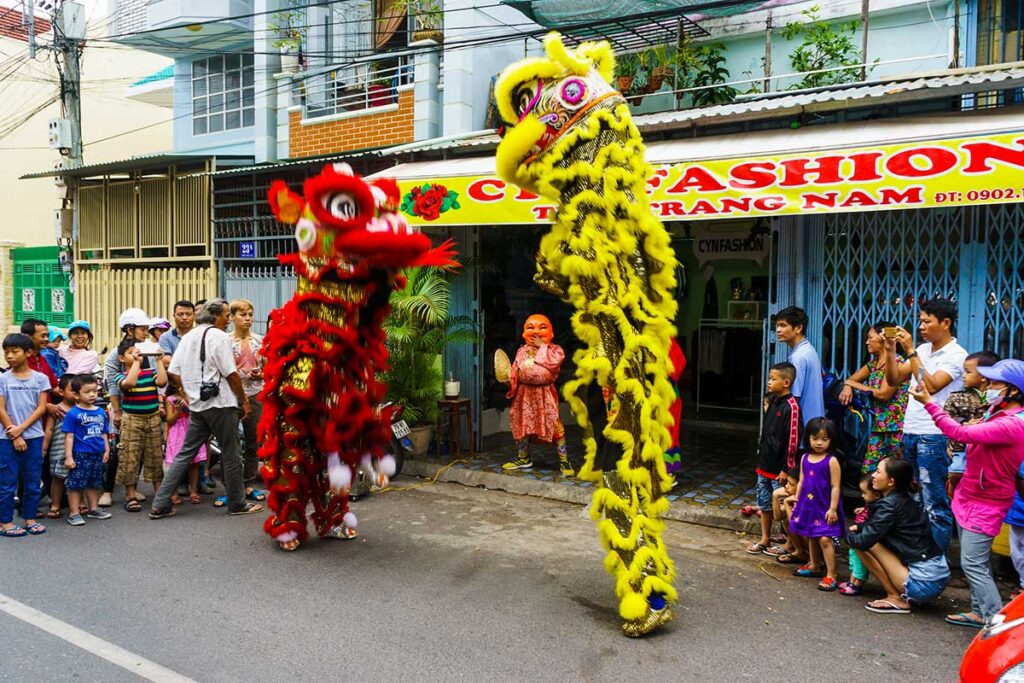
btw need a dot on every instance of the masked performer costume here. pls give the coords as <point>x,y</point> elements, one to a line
<point>534,412</point>
<point>325,348</point>
<point>571,139</point>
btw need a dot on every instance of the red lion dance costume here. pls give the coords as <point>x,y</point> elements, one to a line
<point>325,347</point>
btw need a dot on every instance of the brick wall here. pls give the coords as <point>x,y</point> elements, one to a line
<point>357,132</point>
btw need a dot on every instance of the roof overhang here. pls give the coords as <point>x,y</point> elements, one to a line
<point>138,165</point>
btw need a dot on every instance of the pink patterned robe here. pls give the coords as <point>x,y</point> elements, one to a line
<point>534,397</point>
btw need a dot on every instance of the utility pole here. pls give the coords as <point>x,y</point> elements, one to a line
<point>864,12</point>
<point>768,53</point>
<point>68,37</point>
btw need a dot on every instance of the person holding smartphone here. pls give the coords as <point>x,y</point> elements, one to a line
<point>937,365</point>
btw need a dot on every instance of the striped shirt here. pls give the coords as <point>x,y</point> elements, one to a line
<point>142,399</point>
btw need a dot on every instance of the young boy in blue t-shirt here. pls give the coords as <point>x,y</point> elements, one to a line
<point>23,397</point>
<point>86,450</point>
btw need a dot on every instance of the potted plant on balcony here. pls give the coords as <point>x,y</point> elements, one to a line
<point>626,67</point>
<point>427,18</point>
<point>379,90</point>
<point>660,63</point>
<point>418,331</point>
<point>287,26</point>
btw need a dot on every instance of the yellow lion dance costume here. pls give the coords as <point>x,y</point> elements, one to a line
<point>571,139</point>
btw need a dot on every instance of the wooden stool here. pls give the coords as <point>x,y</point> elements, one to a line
<point>451,409</point>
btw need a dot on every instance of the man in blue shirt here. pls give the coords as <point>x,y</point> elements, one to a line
<point>791,328</point>
<point>184,321</point>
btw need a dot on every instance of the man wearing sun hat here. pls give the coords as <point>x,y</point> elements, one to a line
<point>995,454</point>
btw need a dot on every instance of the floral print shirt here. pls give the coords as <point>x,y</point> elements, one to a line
<point>888,415</point>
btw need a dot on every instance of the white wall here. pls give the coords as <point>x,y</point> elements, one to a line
<point>107,71</point>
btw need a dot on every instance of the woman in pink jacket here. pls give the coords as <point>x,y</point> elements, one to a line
<point>995,451</point>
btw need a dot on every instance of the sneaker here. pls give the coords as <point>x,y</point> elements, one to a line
<point>105,500</point>
<point>567,470</point>
<point>76,520</point>
<point>98,513</point>
<point>519,464</point>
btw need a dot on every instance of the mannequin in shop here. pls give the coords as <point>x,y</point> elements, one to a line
<point>534,412</point>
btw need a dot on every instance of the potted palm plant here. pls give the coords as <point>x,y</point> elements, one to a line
<point>660,63</point>
<point>418,331</point>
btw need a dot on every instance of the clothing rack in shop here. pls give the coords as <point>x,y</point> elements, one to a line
<point>705,324</point>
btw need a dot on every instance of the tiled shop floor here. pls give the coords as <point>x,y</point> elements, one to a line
<point>718,464</point>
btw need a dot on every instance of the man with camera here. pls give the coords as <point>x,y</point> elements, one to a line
<point>204,365</point>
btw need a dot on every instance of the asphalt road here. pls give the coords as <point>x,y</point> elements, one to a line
<point>446,583</point>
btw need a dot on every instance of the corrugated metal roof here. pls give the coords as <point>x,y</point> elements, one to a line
<point>960,81</point>
<point>952,82</point>
<point>138,163</point>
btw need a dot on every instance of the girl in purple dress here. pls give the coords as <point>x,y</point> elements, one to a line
<point>818,515</point>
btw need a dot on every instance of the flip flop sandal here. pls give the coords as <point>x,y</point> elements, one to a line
<point>160,514</point>
<point>827,584</point>
<point>756,548</point>
<point>778,538</point>
<point>257,495</point>
<point>249,509</point>
<point>886,607</point>
<point>776,551</point>
<point>132,506</point>
<point>790,559</point>
<point>36,529</point>
<point>54,514</point>
<point>847,588</point>
<point>965,621</point>
<point>748,510</point>
<point>220,502</point>
<point>808,572</point>
<point>13,532</point>
<point>196,499</point>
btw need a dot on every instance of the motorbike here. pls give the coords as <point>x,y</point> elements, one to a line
<point>373,472</point>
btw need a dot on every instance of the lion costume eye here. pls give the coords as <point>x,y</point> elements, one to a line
<point>525,98</point>
<point>341,205</point>
<point>572,92</point>
<point>305,235</point>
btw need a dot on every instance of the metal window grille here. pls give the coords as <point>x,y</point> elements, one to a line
<point>223,93</point>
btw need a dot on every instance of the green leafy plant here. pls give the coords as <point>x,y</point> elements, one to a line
<point>427,15</point>
<point>288,28</point>
<point>627,67</point>
<point>706,71</point>
<point>418,331</point>
<point>823,46</point>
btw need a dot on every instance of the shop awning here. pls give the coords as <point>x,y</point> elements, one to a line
<point>866,166</point>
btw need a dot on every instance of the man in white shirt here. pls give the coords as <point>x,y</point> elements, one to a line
<point>202,361</point>
<point>939,363</point>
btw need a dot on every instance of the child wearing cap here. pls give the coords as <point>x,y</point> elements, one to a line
<point>51,353</point>
<point>157,326</point>
<point>81,359</point>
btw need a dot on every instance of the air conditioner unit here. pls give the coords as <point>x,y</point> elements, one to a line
<point>60,133</point>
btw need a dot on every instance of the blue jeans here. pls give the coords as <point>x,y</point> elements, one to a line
<point>27,466</point>
<point>927,453</point>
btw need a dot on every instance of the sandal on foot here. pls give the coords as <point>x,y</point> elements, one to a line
<point>175,499</point>
<point>847,588</point>
<point>247,509</point>
<point>220,502</point>
<point>133,505</point>
<point>961,619</point>
<point>790,558</point>
<point>778,538</point>
<point>776,551</point>
<point>887,607</point>
<point>195,499</point>
<point>14,532</point>
<point>160,514</point>
<point>748,510</point>
<point>54,514</point>
<point>808,572</point>
<point>828,584</point>
<point>256,494</point>
<point>756,548</point>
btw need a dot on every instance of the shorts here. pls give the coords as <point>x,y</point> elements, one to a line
<point>142,442</point>
<point>765,488</point>
<point>88,472</point>
<point>923,591</point>
<point>57,467</point>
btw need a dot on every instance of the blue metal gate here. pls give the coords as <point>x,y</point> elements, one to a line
<point>861,268</point>
<point>267,287</point>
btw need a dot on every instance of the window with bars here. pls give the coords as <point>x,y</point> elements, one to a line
<point>1000,38</point>
<point>223,93</point>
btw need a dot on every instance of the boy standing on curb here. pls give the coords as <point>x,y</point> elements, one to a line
<point>24,394</point>
<point>780,439</point>
<point>87,449</point>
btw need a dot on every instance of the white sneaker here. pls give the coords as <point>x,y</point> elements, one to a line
<point>105,500</point>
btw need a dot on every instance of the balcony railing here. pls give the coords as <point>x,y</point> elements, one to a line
<point>355,87</point>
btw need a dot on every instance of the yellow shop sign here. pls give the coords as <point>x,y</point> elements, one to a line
<point>977,170</point>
